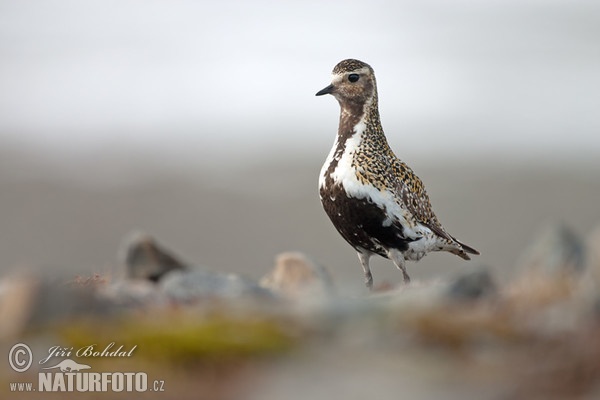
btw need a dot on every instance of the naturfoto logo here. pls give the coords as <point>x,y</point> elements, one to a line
<point>68,375</point>
<point>69,366</point>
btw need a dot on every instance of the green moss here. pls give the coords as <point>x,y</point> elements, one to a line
<point>185,339</point>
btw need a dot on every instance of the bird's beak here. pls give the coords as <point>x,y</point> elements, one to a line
<point>328,90</point>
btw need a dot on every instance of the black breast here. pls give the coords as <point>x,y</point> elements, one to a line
<point>360,222</point>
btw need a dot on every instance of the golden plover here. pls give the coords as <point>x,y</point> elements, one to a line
<point>374,200</point>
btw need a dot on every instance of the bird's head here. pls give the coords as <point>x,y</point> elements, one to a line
<point>352,84</point>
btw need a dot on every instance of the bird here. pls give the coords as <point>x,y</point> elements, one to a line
<point>375,201</point>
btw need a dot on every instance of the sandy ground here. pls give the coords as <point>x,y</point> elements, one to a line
<point>238,220</point>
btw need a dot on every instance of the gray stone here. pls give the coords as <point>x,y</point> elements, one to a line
<point>473,285</point>
<point>191,286</point>
<point>133,293</point>
<point>144,258</point>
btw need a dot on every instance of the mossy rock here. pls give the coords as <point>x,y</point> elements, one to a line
<point>185,339</point>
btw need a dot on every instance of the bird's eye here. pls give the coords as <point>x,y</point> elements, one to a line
<point>353,77</point>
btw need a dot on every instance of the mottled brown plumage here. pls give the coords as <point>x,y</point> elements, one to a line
<point>375,200</point>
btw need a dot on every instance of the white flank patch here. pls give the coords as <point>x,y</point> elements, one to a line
<point>418,249</point>
<point>345,174</point>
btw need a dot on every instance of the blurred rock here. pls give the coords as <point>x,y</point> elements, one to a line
<point>132,293</point>
<point>191,286</point>
<point>32,301</point>
<point>144,258</point>
<point>56,299</point>
<point>295,275</point>
<point>473,285</point>
<point>17,298</point>
<point>556,250</point>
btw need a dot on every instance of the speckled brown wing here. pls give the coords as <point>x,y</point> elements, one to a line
<point>412,193</point>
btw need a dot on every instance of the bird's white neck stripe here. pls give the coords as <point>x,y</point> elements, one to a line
<point>344,167</point>
<point>343,158</point>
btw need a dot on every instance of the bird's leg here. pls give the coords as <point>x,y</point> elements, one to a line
<point>398,260</point>
<point>364,261</point>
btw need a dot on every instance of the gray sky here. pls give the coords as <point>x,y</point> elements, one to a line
<point>461,78</point>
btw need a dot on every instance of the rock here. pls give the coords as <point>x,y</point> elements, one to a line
<point>144,258</point>
<point>295,275</point>
<point>17,299</point>
<point>133,293</point>
<point>557,250</point>
<point>191,286</point>
<point>56,299</point>
<point>32,301</point>
<point>473,285</point>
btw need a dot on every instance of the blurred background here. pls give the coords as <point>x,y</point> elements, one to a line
<point>197,123</point>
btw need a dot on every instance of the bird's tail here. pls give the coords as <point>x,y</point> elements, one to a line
<point>462,250</point>
<point>468,249</point>
<point>454,246</point>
